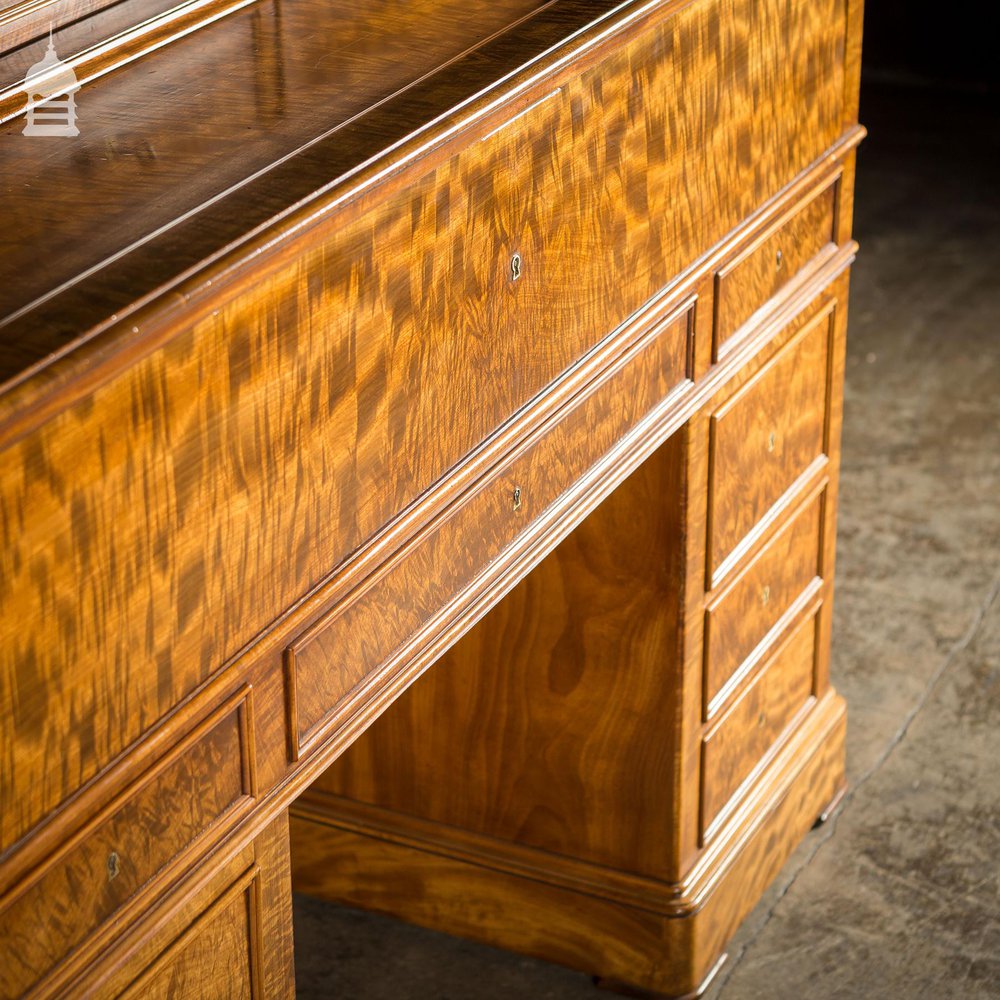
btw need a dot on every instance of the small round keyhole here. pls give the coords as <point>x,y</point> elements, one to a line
<point>114,866</point>
<point>515,267</point>
<point>762,720</point>
<point>771,441</point>
<point>779,259</point>
<point>517,498</point>
<point>765,595</point>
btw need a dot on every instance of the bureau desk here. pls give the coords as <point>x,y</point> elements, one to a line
<point>498,345</point>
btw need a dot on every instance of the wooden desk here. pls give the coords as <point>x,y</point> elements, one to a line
<point>341,324</point>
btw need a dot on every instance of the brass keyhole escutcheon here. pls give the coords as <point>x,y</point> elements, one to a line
<point>761,720</point>
<point>517,498</point>
<point>515,267</point>
<point>779,259</point>
<point>772,440</point>
<point>765,595</point>
<point>114,866</point>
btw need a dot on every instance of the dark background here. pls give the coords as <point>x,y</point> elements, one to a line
<point>949,46</point>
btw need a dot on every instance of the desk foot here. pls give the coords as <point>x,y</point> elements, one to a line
<point>831,807</point>
<point>626,990</point>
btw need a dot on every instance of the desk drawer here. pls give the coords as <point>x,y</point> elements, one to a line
<point>741,621</point>
<point>767,438</point>
<point>741,740</point>
<point>390,616</point>
<point>760,270</point>
<point>105,867</point>
<point>225,933</point>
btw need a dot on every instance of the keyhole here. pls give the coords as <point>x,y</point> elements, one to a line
<point>765,595</point>
<point>761,720</point>
<point>771,441</point>
<point>779,259</point>
<point>515,267</point>
<point>517,498</point>
<point>114,866</point>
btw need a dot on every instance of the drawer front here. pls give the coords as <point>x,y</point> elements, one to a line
<point>384,618</point>
<point>760,270</point>
<point>743,620</point>
<point>741,740</point>
<point>163,815</point>
<point>766,438</point>
<point>224,933</point>
<point>213,959</point>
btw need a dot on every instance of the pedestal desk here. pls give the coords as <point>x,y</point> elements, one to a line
<point>349,342</point>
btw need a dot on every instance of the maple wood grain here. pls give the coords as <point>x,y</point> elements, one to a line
<point>741,738</point>
<point>772,261</point>
<point>346,381</point>
<point>766,438</point>
<point>263,412</point>
<point>740,621</point>
<point>546,708</point>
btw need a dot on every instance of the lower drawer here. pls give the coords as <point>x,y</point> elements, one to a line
<point>186,799</point>
<point>740,742</point>
<point>226,936</point>
<point>388,616</point>
<point>743,620</point>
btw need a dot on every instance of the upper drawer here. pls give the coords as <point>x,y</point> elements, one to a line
<point>766,438</point>
<point>771,260</point>
<point>192,792</point>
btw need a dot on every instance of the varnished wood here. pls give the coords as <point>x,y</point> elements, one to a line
<point>139,838</point>
<point>579,927</point>
<point>740,740</point>
<point>765,440</point>
<point>280,423</point>
<point>551,699</point>
<point>773,260</point>
<point>742,618</point>
<point>347,342</point>
<point>227,935</point>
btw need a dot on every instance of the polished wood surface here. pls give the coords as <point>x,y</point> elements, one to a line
<point>343,330</point>
<point>744,618</point>
<point>547,705</point>
<point>344,367</point>
<point>766,439</point>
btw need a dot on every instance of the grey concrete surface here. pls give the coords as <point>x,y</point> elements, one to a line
<point>898,895</point>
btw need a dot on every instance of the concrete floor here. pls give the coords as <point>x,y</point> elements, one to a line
<point>899,894</point>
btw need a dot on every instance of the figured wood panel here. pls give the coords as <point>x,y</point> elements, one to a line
<point>738,743</point>
<point>329,114</point>
<point>551,722</point>
<point>104,866</point>
<point>767,436</point>
<point>225,932</point>
<point>761,270</point>
<point>347,645</point>
<point>212,960</point>
<point>445,894</point>
<point>155,527</point>
<point>742,620</point>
